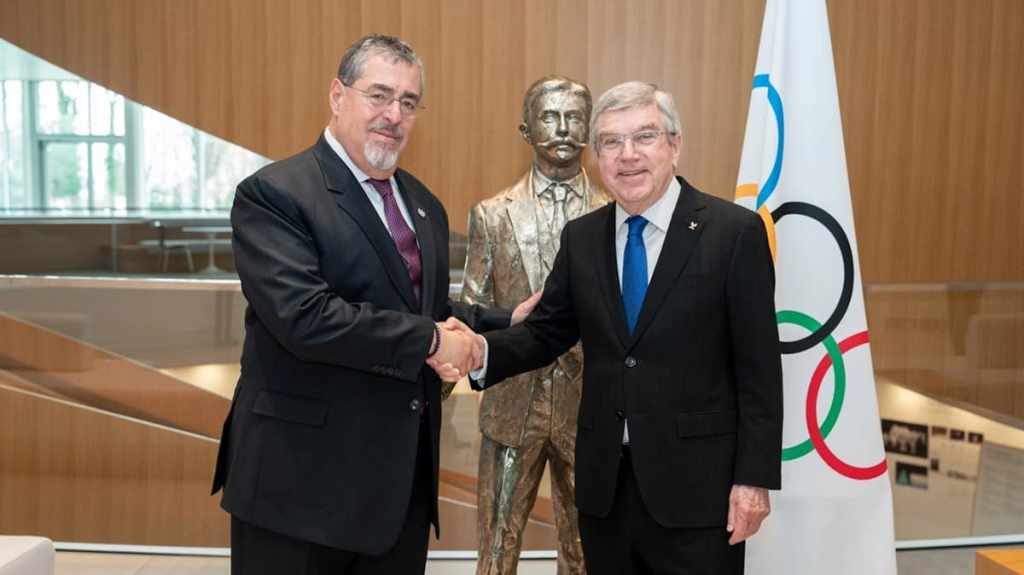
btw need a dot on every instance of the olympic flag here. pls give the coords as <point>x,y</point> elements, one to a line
<point>834,512</point>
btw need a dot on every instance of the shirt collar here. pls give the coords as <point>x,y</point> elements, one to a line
<point>340,150</point>
<point>660,213</point>
<point>541,183</point>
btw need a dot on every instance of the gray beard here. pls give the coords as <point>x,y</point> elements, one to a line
<point>379,157</point>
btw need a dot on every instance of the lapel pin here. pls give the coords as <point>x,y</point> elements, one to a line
<point>693,226</point>
<point>421,213</point>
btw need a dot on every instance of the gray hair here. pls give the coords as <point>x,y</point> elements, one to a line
<point>636,95</point>
<point>353,62</point>
<point>554,83</point>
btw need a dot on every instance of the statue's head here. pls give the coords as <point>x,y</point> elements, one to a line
<point>556,122</point>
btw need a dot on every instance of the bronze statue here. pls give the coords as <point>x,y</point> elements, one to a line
<point>531,420</point>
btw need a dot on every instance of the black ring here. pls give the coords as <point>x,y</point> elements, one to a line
<point>830,223</point>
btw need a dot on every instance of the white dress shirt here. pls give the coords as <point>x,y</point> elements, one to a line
<point>658,216</point>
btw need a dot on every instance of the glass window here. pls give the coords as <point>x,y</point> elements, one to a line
<point>62,107</point>
<point>170,175</point>
<point>108,172</point>
<point>13,191</point>
<point>186,168</point>
<point>68,143</point>
<point>225,165</point>
<point>66,174</point>
<point>107,112</point>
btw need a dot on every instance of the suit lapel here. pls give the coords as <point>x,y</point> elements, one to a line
<point>682,237</point>
<point>607,275</point>
<point>522,213</point>
<point>425,235</point>
<point>350,196</point>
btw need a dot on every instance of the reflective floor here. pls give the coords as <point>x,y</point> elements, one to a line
<point>929,562</point>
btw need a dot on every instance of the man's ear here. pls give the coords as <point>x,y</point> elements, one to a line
<point>335,96</point>
<point>524,131</point>
<point>676,142</point>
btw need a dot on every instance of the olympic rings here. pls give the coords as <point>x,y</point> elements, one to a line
<point>819,332</point>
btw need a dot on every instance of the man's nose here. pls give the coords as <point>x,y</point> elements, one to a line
<point>393,112</point>
<point>563,126</point>
<point>628,149</point>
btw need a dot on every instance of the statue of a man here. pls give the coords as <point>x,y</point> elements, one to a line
<point>531,420</point>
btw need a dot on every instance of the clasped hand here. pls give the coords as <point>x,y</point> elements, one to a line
<point>461,350</point>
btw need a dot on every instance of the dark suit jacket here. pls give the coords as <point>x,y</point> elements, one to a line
<point>700,379</point>
<point>321,440</point>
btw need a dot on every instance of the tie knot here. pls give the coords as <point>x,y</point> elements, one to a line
<point>636,225</point>
<point>557,192</point>
<point>383,187</point>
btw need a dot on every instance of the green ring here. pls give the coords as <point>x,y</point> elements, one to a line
<point>810,324</point>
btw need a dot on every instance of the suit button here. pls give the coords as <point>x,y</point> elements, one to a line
<point>620,414</point>
<point>414,405</point>
<point>631,361</point>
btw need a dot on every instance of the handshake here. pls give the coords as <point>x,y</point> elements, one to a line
<point>461,350</point>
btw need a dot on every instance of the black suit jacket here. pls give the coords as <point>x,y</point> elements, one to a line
<point>699,380</point>
<point>321,440</point>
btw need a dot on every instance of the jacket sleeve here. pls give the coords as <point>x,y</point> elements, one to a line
<point>278,264</point>
<point>478,279</point>
<point>750,297</point>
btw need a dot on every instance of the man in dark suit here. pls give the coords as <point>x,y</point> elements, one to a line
<point>329,456</point>
<point>671,293</point>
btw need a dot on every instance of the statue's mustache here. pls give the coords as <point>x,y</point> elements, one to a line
<point>563,142</point>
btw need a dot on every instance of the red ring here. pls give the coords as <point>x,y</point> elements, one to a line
<point>811,411</point>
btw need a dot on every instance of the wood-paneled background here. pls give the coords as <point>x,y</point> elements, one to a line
<point>930,92</point>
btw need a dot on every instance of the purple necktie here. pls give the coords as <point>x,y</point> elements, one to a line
<point>405,238</point>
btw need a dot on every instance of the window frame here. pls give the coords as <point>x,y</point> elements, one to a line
<point>37,142</point>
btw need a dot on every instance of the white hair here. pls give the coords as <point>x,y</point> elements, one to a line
<point>635,94</point>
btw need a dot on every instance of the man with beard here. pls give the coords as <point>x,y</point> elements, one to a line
<point>531,420</point>
<point>329,456</point>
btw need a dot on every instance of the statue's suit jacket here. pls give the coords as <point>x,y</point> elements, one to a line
<point>321,440</point>
<point>507,261</point>
<point>700,378</point>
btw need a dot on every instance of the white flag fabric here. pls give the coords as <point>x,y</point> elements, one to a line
<point>834,512</point>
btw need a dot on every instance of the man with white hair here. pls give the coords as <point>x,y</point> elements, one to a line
<point>671,292</point>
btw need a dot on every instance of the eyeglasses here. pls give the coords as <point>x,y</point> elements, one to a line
<point>615,143</point>
<point>380,100</point>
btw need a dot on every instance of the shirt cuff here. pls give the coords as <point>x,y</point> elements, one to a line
<point>478,375</point>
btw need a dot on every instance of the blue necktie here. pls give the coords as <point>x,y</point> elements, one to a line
<point>634,271</point>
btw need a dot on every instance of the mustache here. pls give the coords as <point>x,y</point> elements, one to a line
<point>563,142</point>
<point>388,128</point>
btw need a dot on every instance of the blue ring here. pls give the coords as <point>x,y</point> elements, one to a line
<point>775,100</point>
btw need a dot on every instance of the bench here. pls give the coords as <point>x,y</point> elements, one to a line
<point>23,555</point>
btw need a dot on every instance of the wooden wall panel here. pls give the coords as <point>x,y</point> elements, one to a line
<point>929,92</point>
<point>930,99</point>
<point>77,474</point>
